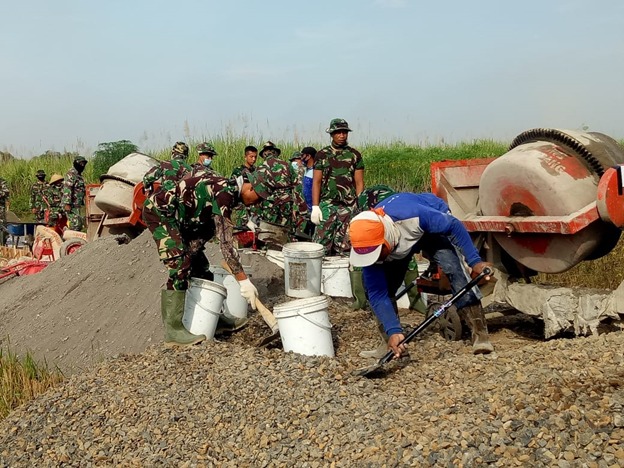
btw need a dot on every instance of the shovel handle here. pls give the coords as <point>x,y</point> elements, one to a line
<point>443,308</point>
<point>266,314</point>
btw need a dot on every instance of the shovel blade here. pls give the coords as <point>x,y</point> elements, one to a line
<point>267,340</point>
<point>367,371</point>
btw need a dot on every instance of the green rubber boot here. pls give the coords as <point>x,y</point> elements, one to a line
<point>357,289</point>
<point>172,309</point>
<point>230,325</point>
<point>415,299</point>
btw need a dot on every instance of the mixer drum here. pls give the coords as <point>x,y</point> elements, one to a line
<point>550,173</point>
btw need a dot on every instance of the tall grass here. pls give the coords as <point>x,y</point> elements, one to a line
<point>22,379</point>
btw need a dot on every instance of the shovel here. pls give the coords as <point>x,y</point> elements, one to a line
<point>365,371</point>
<point>266,314</point>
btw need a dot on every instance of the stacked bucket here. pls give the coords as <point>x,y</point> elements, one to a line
<point>304,322</point>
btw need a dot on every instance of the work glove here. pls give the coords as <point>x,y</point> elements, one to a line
<point>317,216</point>
<point>249,292</point>
<point>252,226</point>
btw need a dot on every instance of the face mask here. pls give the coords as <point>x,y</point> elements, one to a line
<point>294,165</point>
<point>41,178</point>
<point>207,162</point>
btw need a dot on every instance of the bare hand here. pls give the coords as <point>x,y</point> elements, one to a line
<point>393,344</point>
<point>478,268</point>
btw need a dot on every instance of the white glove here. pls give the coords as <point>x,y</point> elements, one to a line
<point>252,226</point>
<point>249,292</point>
<point>316,217</point>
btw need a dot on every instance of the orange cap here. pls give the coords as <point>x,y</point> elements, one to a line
<point>366,232</point>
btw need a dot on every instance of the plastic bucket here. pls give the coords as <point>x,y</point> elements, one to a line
<point>235,305</point>
<point>302,269</point>
<point>202,308</point>
<point>304,326</point>
<point>335,279</point>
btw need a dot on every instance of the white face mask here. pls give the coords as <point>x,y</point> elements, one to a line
<point>294,165</point>
<point>207,162</point>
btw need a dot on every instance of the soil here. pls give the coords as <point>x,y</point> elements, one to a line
<point>127,400</point>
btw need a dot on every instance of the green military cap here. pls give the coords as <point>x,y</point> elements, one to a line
<point>338,124</point>
<point>80,159</point>
<point>40,172</point>
<point>296,155</point>
<point>206,148</point>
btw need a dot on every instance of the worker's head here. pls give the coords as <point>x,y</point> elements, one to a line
<point>251,155</point>
<point>40,175</point>
<point>296,160</point>
<point>206,152</point>
<point>269,149</point>
<point>307,156</point>
<point>56,179</point>
<point>339,131</point>
<point>180,150</point>
<point>373,237</point>
<point>79,163</point>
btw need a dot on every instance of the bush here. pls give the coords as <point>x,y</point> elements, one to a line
<point>110,153</point>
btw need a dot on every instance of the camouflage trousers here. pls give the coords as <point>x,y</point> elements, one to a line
<point>184,258</point>
<point>332,232</point>
<point>75,222</point>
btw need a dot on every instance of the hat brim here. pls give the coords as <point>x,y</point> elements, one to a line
<point>277,150</point>
<point>330,131</point>
<point>364,260</point>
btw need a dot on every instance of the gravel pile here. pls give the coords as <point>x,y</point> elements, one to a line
<point>533,403</point>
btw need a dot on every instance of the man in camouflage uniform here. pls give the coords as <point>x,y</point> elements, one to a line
<point>242,215</point>
<point>54,197</point>
<point>74,192</point>
<point>199,209</point>
<point>38,204</point>
<point>280,197</point>
<point>4,207</point>
<point>251,155</point>
<point>206,153</point>
<point>338,180</point>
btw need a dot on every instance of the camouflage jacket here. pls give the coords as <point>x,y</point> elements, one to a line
<point>54,196</point>
<point>37,194</point>
<point>338,166</point>
<point>167,174</point>
<point>370,196</point>
<point>275,181</point>
<point>199,169</point>
<point>240,170</point>
<point>73,189</point>
<point>4,192</point>
<point>205,204</point>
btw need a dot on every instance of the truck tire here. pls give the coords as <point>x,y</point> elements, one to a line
<point>69,246</point>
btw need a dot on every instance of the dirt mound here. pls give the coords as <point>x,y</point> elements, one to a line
<point>99,302</point>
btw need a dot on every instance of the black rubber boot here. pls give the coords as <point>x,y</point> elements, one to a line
<point>172,309</point>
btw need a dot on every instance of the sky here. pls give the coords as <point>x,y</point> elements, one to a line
<point>77,73</point>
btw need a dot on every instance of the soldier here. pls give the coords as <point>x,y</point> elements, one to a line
<point>297,164</point>
<point>37,191</point>
<point>74,191</point>
<point>338,180</point>
<point>53,199</point>
<point>251,155</point>
<point>204,162</point>
<point>275,187</point>
<point>200,209</point>
<point>4,207</point>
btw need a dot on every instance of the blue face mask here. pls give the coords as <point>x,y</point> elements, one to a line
<point>207,162</point>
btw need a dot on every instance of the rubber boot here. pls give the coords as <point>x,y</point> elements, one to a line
<point>357,289</point>
<point>381,349</point>
<point>478,326</point>
<point>229,325</point>
<point>172,309</point>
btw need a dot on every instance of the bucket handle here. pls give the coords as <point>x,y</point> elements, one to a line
<point>197,303</point>
<point>330,276</point>
<point>313,322</point>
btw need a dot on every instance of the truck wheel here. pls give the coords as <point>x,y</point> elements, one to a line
<point>69,246</point>
<point>449,324</point>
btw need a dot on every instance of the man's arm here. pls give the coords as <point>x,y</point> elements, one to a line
<point>379,299</point>
<point>358,177</point>
<point>316,186</point>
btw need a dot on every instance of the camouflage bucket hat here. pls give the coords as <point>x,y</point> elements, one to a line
<point>338,124</point>
<point>206,148</point>
<point>180,148</point>
<point>296,155</point>
<point>80,159</point>
<point>269,146</point>
<point>40,172</point>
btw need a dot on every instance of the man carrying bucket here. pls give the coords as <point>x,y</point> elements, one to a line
<point>200,209</point>
<point>383,241</point>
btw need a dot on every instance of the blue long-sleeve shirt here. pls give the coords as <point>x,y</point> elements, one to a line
<point>414,214</point>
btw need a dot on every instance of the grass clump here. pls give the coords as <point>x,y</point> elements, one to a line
<point>22,379</point>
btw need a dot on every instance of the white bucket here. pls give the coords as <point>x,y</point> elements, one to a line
<point>302,269</point>
<point>204,300</point>
<point>335,279</point>
<point>235,305</point>
<point>304,326</point>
